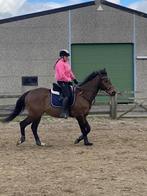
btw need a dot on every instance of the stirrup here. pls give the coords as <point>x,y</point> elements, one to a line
<point>64,115</point>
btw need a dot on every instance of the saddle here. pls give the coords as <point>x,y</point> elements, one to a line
<point>57,96</point>
<point>56,89</point>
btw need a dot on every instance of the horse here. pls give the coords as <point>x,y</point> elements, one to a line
<point>38,101</point>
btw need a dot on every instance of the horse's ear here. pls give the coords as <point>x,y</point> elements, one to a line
<point>104,70</point>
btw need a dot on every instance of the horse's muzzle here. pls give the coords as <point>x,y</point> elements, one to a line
<point>111,92</point>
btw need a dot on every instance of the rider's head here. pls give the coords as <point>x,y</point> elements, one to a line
<point>64,53</point>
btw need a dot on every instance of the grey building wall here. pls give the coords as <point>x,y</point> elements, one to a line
<point>30,47</point>
<point>107,26</point>
<point>141,51</point>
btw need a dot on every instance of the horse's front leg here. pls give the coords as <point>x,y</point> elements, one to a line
<point>85,129</point>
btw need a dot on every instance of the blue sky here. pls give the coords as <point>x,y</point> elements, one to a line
<point>127,2</point>
<point>10,8</point>
<point>122,2</point>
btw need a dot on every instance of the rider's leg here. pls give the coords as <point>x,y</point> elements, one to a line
<point>65,108</point>
<point>66,95</point>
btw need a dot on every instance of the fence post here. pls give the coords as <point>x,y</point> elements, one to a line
<point>113,106</point>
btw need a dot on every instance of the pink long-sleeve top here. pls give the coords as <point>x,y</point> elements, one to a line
<point>63,71</point>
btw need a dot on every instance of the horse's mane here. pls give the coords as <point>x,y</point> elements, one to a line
<point>93,75</point>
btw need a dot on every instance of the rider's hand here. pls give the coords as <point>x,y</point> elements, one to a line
<point>75,81</point>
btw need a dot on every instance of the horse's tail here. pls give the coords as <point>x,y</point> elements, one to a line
<point>19,107</point>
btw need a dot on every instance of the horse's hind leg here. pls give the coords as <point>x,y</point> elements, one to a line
<point>34,127</point>
<point>23,125</point>
<point>85,129</point>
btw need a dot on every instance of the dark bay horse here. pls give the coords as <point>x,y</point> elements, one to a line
<point>37,102</point>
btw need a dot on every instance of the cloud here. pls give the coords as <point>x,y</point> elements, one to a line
<point>36,7</point>
<point>115,1</point>
<point>10,8</point>
<point>140,5</point>
<point>29,7</point>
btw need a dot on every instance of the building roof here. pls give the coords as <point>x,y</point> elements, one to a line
<point>71,7</point>
<point>120,7</point>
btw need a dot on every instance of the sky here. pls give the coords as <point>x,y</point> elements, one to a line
<point>11,8</point>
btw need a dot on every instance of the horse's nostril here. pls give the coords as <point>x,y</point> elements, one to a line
<point>113,93</point>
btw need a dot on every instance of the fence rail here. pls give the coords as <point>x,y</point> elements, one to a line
<point>111,107</point>
<point>8,96</point>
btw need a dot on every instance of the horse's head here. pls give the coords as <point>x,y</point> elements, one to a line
<point>105,83</point>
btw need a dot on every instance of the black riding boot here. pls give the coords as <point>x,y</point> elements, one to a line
<point>65,108</point>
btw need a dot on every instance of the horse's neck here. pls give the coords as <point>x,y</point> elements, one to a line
<point>90,90</point>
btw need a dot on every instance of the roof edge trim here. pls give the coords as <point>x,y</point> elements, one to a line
<point>46,12</point>
<point>120,7</point>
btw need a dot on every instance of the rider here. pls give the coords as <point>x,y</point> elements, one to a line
<point>64,77</point>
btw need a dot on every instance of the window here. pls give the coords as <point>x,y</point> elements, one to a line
<point>29,81</point>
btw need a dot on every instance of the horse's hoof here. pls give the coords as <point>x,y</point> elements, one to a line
<point>88,144</point>
<point>41,144</point>
<point>76,141</point>
<point>20,141</point>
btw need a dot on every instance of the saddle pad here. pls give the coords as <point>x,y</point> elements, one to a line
<point>56,99</point>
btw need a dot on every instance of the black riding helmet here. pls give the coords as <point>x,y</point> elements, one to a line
<point>64,53</point>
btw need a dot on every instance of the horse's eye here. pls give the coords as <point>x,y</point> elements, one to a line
<point>106,80</point>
